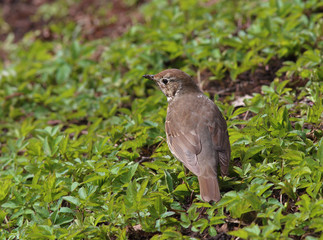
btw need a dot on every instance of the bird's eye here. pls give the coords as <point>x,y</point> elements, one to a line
<point>165,81</point>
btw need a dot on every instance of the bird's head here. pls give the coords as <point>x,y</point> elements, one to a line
<point>173,82</point>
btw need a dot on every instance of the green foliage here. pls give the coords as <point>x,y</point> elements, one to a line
<point>82,143</point>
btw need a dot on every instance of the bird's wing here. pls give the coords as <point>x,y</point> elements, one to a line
<point>184,145</point>
<point>218,129</point>
<point>225,155</point>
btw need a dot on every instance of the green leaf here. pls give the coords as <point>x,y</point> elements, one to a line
<point>253,151</point>
<point>131,194</point>
<point>169,181</point>
<point>241,233</point>
<point>200,225</point>
<point>159,206</point>
<point>82,193</point>
<point>72,200</point>
<point>142,190</point>
<point>185,221</point>
<point>46,147</point>
<point>320,151</point>
<point>63,73</point>
<point>5,188</point>
<point>192,213</point>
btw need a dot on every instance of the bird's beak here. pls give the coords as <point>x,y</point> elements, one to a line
<point>150,77</point>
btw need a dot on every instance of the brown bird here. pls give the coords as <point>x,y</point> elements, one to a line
<point>196,131</point>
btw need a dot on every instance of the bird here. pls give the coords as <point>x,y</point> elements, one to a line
<point>196,130</point>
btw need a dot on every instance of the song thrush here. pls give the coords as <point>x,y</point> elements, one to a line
<point>196,131</point>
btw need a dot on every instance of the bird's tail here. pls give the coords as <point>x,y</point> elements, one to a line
<point>209,188</point>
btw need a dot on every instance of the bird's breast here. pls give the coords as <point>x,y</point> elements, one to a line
<point>188,111</point>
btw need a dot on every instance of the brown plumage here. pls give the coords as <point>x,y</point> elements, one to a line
<point>196,130</point>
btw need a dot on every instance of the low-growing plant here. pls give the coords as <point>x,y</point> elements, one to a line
<point>83,153</point>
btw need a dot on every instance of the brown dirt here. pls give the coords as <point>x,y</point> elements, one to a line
<point>114,21</point>
<point>246,83</point>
